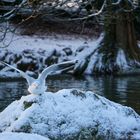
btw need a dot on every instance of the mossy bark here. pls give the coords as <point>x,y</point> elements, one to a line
<point>119,37</point>
<point>119,34</point>
<point>125,36</point>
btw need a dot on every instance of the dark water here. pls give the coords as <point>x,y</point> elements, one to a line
<point>123,90</point>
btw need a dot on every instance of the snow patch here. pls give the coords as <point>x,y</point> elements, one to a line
<point>34,53</point>
<point>20,136</point>
<point>139,44</point>
<point>121,60</point>
<point>22,43</point>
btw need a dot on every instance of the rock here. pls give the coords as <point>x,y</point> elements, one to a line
<point>41,52</point>
<point>3,54</point>
<point>28,52</point>
<point>81,48</point>
<point>28,64</point>
<point>68,51</point>
<point>32,60</point>
<point>83,12</point>
<point>71,115</point>
<point>17,57</point>
<point>81,66</point>
<point>51,58</point>
<point>1,66</point>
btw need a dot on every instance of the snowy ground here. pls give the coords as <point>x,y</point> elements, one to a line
<point>71,114</point>
<point>32,54</point>
<point>42,51</point>
<point>18,43</point>
<point>20,136</point>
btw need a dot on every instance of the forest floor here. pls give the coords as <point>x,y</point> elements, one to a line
<point>35,26</point>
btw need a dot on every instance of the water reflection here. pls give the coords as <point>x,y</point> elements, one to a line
<point>10,91</point>
<point>123,90</point>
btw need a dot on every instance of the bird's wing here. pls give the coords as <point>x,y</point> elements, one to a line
<point>27,77</point>
<point>61,67</point>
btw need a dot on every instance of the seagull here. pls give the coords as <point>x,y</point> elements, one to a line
<point>38,86</point>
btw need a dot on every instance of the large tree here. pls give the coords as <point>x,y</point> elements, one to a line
<point>118,50</point>
<point>119,38</point>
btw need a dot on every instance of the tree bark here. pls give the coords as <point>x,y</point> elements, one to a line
<point>119,34</point>
<point>125,36</point>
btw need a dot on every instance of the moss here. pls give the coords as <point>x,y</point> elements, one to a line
<point>25,128</point>
<point>96,96</point>
<point>27,104</point>
<point>16,119</point>
<point>78,93</point>
<point>88,133</point>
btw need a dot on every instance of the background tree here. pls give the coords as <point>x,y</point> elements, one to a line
<point>118,50</point>
<point>119,35</point>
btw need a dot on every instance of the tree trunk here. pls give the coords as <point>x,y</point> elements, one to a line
<point>119,35</point>
<point>125,36</point>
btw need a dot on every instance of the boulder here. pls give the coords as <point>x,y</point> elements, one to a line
<point>71,114</point>
<point>20,136</point>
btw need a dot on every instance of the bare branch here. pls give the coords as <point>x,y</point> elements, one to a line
<point>117,3</point>
<point>11,13</point>
<point>91,15</point>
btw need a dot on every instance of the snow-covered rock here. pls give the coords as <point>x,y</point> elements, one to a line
<point>34,54</point>
<point>71,114</point>
<point>20,136</point>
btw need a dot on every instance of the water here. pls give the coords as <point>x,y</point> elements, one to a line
<point>123,90</point>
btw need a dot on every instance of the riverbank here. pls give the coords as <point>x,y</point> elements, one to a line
<point>34,53</point>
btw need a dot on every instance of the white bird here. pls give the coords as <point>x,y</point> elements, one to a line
<point>38,86</point>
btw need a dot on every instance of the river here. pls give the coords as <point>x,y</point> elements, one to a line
<point>124,90</point>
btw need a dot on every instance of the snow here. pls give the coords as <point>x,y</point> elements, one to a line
<point>121,60</point>
<point>9,74</point>
<point>20,136</point>
<point>89,49</point>
<point>50,42</point>
<point>70,113</point>
<point>138,44</point>
<point>42,50</point>
<point>33,54</point>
